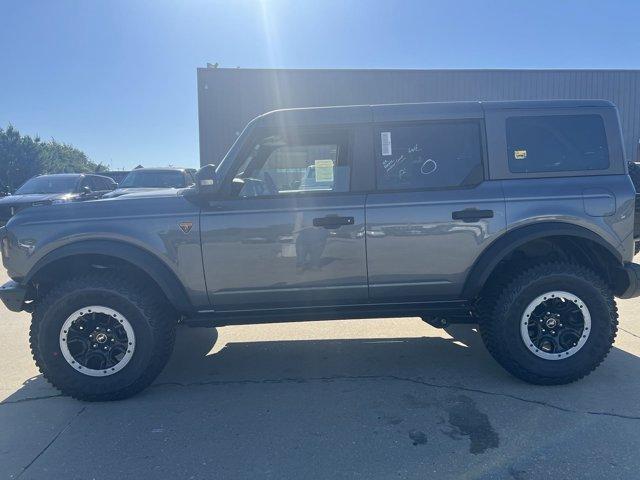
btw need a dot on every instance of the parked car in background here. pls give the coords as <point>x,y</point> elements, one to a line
<point>116,175</point>
<point>142,179</point>
<point>54,188</point>
<point>634,173</point>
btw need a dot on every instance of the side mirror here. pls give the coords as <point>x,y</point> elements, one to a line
<point>207,181</point>
<point>85,190</point>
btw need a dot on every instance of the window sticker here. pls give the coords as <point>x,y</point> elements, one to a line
<point>324,170</point>
<point>385,138</point>
<point>520,154</point>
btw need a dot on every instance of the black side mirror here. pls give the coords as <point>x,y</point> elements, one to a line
<point>207,181</point>
<point>85,190</point>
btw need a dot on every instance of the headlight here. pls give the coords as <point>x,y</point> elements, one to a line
<point>60,200</point>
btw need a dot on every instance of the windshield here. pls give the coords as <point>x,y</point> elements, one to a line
<point>142,179</point>
<point>48,185</point>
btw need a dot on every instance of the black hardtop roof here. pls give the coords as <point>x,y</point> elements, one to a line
<point>409,111</point>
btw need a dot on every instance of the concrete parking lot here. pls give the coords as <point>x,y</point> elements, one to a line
<point>387,398</point>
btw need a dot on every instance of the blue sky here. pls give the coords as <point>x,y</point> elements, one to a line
<point>117,79</point>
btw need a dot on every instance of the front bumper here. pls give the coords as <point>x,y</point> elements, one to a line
<point>632,270</point>
<point>12,295</point>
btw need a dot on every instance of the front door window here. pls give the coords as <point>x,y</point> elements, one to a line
<point>279,165</point>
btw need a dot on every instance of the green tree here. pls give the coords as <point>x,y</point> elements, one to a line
<point>63,158</point>
<point>22,157</point>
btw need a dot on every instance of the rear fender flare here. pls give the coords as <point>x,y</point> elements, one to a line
<point>510,241</point>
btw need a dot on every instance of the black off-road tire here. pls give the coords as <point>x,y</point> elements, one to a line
<point>501,315</point>
<point>152,319</point>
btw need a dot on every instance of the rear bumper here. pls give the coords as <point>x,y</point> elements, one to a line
<point>12,295</point>
<point>632,270</point>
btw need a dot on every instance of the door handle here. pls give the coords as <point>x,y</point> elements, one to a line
<point>469,215</point>
<point>332,221</point>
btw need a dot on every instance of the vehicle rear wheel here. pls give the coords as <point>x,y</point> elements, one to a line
<point>101,336</point>
<point>552,324</point>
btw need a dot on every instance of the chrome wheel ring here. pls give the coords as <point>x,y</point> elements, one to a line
<point>555,325</point>
<point>97,341</point>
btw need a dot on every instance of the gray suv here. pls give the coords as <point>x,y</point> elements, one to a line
<point>54,188</point>
<point>517,216</point>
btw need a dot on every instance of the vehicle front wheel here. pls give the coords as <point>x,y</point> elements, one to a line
<point>552,324</point>
<point>101,336</point>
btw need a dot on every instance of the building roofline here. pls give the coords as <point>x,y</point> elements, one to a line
<point>421,70</point>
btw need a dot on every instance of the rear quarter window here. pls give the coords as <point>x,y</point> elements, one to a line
<point>556,143</point>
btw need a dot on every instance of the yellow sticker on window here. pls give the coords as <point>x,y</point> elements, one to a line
<point>520,154</point>
<point>324,170</point>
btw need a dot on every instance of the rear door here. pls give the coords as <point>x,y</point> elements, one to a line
<point>434,210</point>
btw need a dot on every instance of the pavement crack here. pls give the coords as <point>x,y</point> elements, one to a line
<point>31,399</point>
<point>616,415</point>
<point>630,333</point>
<point>53,440</point>
<point>418,381</point>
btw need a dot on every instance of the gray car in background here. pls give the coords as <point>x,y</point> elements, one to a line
<point>55,188</point>
<point>516,216</point>
<point>142,179</point>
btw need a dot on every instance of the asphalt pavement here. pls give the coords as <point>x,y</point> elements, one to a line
<point>384,398</point>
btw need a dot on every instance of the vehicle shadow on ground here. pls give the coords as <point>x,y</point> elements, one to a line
<point>459,362</point>
<point>300,359</point>
<point>378,407</point>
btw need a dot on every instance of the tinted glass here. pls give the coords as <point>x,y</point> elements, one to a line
<point>430,155</point>
<point>48,184</point>
<point>102,183</point>
<point>556,143</point>
<point>279,166</point>
<point>109,183</point>
<point>154,179</point>
<point>95,184</point>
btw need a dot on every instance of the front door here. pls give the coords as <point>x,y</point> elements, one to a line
<point>289,232</point>
<point>433,212</point>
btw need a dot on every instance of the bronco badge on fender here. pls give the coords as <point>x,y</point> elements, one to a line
<point>185,226</point>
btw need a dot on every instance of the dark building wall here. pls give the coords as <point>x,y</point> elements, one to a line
<point>229,98</point>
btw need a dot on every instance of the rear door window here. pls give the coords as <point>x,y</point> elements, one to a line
<point>95,184</point>
<point>429,155</point>
<point>556,143</point>
<point>99,184</point>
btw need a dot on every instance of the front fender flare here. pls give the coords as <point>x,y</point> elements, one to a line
<point>138,257</point>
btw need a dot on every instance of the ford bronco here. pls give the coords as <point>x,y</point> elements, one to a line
<point>517,216</point>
